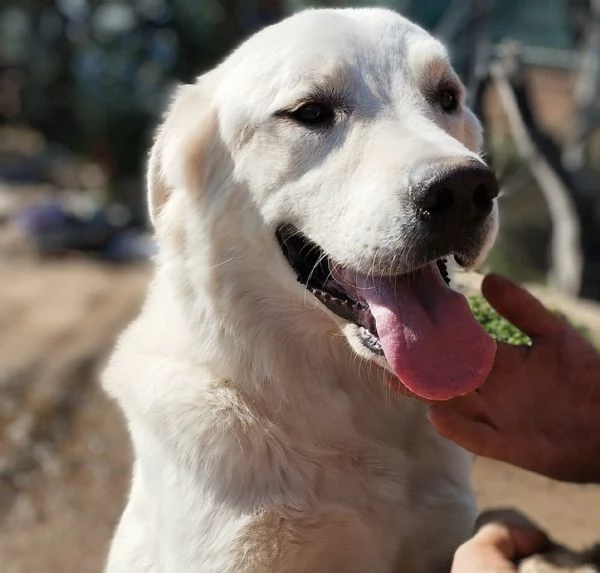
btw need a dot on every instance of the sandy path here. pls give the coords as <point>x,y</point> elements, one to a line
<point>64,454</point>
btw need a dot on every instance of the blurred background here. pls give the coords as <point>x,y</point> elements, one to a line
<point>83,84</point>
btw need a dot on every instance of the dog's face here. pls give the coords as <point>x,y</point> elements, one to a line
<point>346,133</point>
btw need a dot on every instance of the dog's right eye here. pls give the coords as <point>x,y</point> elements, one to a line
<point>313,113</point>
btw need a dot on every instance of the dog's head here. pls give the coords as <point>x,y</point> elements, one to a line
<point>334,152</point>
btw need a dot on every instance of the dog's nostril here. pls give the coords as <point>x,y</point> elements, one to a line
<point>482,197</point>
<point>440,200</point>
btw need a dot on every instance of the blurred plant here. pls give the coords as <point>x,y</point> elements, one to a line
<point>562,171</point>
<point>97,73</point>
<point>497,326</point>
<point>503,331</point>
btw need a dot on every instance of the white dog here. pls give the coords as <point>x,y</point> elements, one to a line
<point>305,194</point>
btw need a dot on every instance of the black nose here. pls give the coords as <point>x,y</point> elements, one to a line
<point>454,192</point>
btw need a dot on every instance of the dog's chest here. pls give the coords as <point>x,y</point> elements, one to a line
<point>238,478</point>
<point>378,461</point>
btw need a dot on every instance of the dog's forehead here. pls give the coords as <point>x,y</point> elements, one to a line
<point>326,28</point>
<point>374,58</point>
<point>337,45</point>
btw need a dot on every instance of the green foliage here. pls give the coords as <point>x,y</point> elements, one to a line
<point>498,327</point>
<point>503,331</point>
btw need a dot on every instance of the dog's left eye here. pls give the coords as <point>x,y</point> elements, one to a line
<point>448,100</point>
<point>313,114</point>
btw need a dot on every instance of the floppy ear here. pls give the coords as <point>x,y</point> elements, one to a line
<point>180,145</point>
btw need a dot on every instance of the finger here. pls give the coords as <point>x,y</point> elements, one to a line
<point>527,541</point>
<point>495,546</point>
<point>478,437</point>
<point>512,541</point>
<point>519,307</point>
<point>490,551</point>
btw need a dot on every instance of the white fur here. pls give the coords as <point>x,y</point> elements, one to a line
<point>263,441</point>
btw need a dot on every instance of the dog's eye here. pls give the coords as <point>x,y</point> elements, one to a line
<point>448,100</point>
<point>313,114</point>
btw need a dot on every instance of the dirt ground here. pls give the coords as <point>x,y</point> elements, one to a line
<point>64,452</point>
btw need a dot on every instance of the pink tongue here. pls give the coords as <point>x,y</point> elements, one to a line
<point>429,336</point>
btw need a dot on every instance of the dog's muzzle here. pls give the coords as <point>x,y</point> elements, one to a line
<point>452,200</point>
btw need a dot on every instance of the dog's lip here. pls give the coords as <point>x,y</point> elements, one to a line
<point>313,268</point>
<point>462,260</point>
<point>331,283</point>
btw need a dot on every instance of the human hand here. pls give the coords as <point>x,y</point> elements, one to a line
<point>505,537</point>
<point>540,407</point>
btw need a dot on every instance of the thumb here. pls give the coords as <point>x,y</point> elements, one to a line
<point>526,536</point>
<point>511,541</point>
<point>519,307</point>
<point>495,547</point>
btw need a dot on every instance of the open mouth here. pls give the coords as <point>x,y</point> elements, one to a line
<point>423,329</point>
<point>314,269</point>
